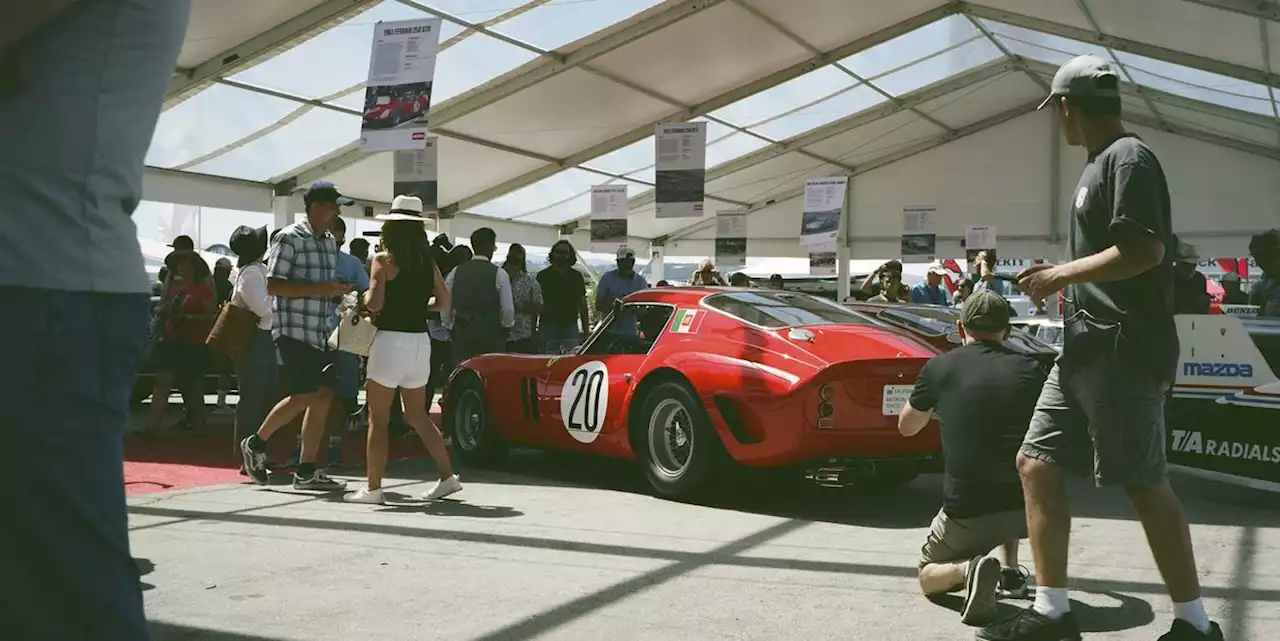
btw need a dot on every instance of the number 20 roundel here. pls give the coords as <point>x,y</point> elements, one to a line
<point>584,401</point>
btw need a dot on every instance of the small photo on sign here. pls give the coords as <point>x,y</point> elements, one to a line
<point>820,222</point>
<point>680,185</point>
<point>606,230</point>
<point>918,244</point>
<point>822,263</point>
<point>393,106</point>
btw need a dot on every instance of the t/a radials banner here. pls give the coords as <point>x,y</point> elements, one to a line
<point>731,240</point>
<point>823,210</point>
<point>680,174</point>
<point>398,95</point>
<point>608,217</point>
<point>415,174</point>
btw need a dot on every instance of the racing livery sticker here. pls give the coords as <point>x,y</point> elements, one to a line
<point>585,400</point>
<point>686,321</point>
<point>1190,442</point>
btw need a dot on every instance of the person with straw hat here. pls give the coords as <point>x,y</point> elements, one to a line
<point>405,286</point>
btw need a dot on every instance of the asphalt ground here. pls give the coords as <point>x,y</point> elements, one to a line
<point>555,547</point>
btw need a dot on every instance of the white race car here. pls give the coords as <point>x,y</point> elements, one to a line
<point>1224,413</point>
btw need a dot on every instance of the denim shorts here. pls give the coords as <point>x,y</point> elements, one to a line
<point>1105,415</point>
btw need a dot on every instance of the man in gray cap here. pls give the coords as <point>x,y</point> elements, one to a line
<point>983,394</point>
<point>1118,361</point>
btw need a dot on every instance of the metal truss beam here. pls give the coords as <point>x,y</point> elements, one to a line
<point>1261,9</point>
<point>887,159</point>
<point>908,102</point>
<point>276,39</point>
<point>694,111</point>
<point>1211,65</point>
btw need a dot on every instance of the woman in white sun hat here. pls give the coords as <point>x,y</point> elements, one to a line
<point>405,285</point>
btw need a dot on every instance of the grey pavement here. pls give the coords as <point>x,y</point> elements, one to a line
<point>552,547</point>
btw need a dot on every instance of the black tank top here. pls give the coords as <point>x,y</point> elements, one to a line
<point>404,308</point>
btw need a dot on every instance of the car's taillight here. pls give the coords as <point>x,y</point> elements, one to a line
<point>826,409</point>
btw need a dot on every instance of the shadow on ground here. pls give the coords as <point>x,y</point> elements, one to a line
<point>1127,614</point>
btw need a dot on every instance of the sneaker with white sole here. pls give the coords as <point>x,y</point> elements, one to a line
<point>365,495</point>
<point>443,488</point>
<point>980,586</point>
<point>318,481</point>
<point>255,463</point>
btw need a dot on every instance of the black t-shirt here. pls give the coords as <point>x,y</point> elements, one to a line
<point>562,293</point>
<point>1191,293</point>
<point>983,394</point>
<point>1122,196</point>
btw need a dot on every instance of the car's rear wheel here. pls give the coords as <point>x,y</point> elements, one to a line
<point>679,447</point>
<point>468,423</point>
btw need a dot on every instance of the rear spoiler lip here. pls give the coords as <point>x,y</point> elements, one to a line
<point>907,366</point>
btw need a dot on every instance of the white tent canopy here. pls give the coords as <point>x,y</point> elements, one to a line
<point>923,102</point>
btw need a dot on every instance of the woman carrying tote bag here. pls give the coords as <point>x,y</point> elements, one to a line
<point>405,286</point>
<point>256,368</point>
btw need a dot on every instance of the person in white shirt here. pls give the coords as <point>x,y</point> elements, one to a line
<point>256,370</point>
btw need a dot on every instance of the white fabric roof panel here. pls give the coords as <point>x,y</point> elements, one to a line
<point>1193,28</point>
<point>997,95</point>
<point>770,178</point>
<point>827,24</point>
<point>219,25</point>
<point>704,55</point>
<point>540,119</point>
<point>606,70</point>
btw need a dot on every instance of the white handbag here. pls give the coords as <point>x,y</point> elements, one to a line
<point>355,332</point>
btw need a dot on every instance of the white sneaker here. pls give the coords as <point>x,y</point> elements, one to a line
<point>365,495</point>
<point>444,488</point>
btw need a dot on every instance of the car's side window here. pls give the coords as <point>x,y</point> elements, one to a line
<point>634,330</point>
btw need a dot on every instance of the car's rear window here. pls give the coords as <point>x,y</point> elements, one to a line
<point>779,309</point>
<point>929,321</point>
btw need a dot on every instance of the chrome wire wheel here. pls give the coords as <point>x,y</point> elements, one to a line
<point>468,420</point>
<point>671,439</point>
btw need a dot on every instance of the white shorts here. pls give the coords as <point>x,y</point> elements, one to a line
<point>400,359</point>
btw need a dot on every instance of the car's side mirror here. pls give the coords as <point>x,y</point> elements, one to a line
<point>954,338</point>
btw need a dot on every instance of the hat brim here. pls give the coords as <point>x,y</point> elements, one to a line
<point>1049,98</point>
<point>258,236</point>
<point>399,216</point>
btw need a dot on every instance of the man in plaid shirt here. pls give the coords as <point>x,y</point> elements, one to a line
<point>302,278</point>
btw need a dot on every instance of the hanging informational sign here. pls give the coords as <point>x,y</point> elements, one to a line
<point>608,217</point>
<point>731,240</point>
<point>919,234</point>
<point>398,94</point>
<point>823,210</point>
<point>415,174</point>
<point>681,169</point>
<point>980,238</point>
<point>822,259</point>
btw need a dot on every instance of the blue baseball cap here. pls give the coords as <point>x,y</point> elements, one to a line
<point>323,191</point>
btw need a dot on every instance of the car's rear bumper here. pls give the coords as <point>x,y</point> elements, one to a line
<point>805,445</point>
<point>842,472</point>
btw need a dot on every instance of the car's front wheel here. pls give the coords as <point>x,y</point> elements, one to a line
<point>679,447</point>
<point>468,423</point>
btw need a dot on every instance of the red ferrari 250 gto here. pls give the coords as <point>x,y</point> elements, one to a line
<point>689,379</point>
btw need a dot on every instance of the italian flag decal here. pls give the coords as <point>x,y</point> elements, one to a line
<point>686,321</point>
